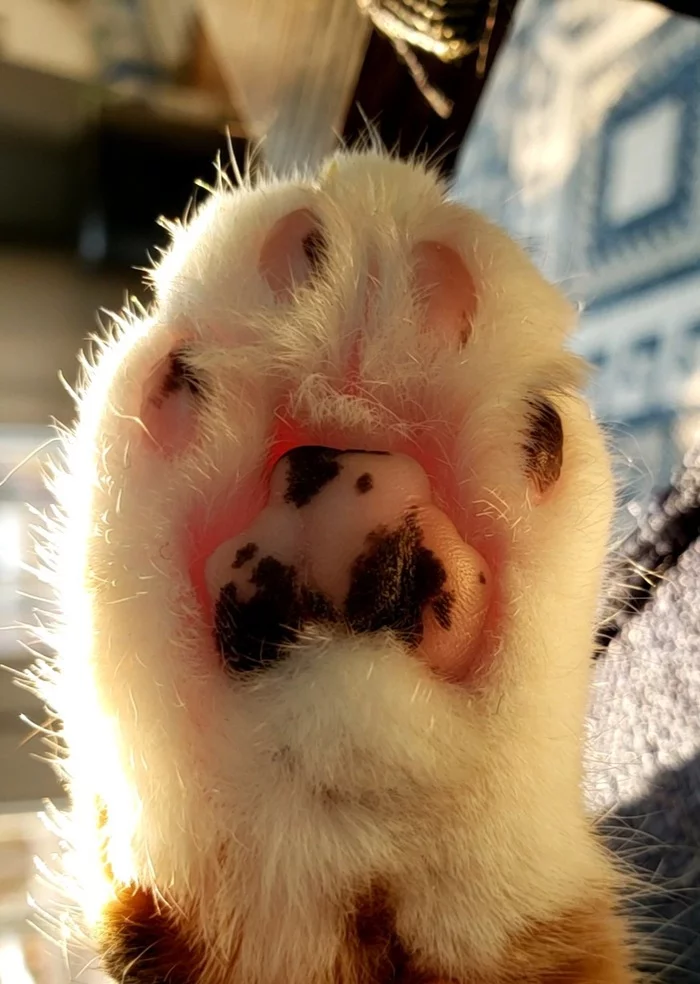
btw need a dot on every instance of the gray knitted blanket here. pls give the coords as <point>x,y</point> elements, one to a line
<point>644,756</point>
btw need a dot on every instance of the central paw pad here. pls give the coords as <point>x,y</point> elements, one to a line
<point>349,539</point>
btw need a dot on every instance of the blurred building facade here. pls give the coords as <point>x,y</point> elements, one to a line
<point>587,150</point>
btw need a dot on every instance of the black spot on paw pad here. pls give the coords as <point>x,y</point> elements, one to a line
<point>181,376</point>
<point>394,581</point>
<point>243,555</point>
<point>253,633</point>
<point>544,444</point>
<point>315,248</point>
<point>380,454</point>
<point>365,483</point>
<point>391,585</point>
<point>310,470</point>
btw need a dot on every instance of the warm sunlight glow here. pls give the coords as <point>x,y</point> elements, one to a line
<point>10,538</point>
<point>13,967</point>
<point>94,752</point>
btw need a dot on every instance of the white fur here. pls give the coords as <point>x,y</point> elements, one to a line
<point>464,800</point>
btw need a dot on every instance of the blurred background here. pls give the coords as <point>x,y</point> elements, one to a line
<point>575,124</point>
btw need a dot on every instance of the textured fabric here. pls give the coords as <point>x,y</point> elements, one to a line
<point>644,755</point>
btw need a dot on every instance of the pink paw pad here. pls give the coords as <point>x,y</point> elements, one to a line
<point>168,412</point>
<point>353,540</point>
<point>447,289</point>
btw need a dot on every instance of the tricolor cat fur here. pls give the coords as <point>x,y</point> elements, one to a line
<point>323,706</point>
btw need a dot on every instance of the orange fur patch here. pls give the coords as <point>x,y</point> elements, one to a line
<point>142,943</point>
<point>591,944</point>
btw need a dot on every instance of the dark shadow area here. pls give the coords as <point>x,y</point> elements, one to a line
<point>660,836</point>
